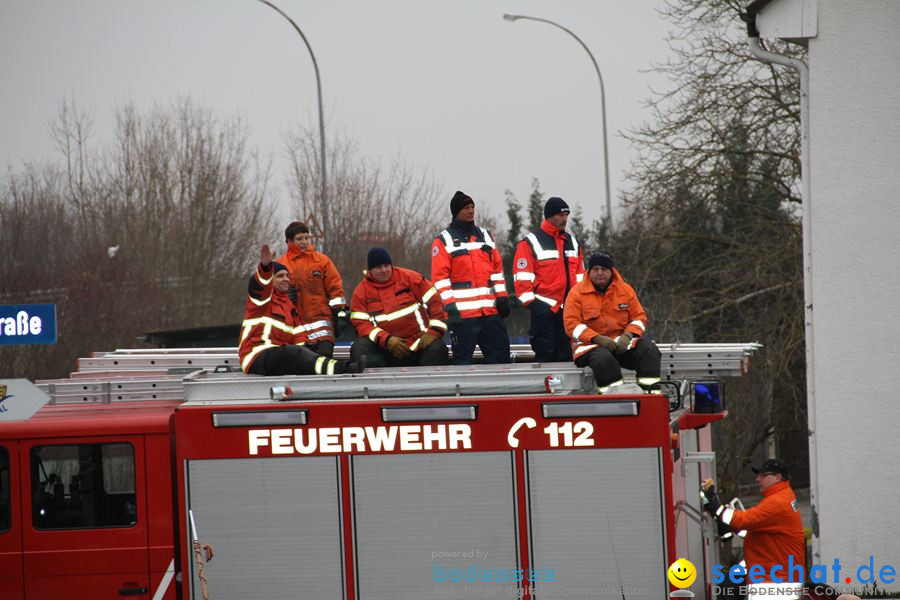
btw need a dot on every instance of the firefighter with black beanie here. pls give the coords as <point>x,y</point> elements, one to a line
<point>606,323</point>
<point>467,272</point>
<point>548,263</point>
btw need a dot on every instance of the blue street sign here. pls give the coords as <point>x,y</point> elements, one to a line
<point>27,324</point>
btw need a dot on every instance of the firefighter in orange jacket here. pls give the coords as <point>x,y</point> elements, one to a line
<point>398,316</point>
<point>774,527</point>
<point>468,274</point>
<point>606,323</point>
<point>272,334</point>
<point>319,289</point>
<point>547,265</point>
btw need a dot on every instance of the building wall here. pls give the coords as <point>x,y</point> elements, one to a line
<point>855,170</point>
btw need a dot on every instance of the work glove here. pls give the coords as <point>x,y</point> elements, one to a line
<point>503,307</point>
<point>623,341</point>
<point>604,342</point>
<point>427,339</point>
<point>724,530</point>
<point>397,347</point>
<point>341,318</point>
<point>709,498</point>
<point>452,312</point>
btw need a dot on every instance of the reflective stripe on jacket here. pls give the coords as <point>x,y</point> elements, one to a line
<point>774,530</point>
<point>270,318</point>
<point>467,270</point>
<point>406,306</point>
<point>319,289</point>
<point>611,313</point>
<point>547,265</point>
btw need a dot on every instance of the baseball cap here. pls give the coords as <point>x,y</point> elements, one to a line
<point>773,466</point>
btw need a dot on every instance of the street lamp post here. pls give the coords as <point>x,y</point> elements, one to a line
<point>512,18</point>
<point>324,173</point>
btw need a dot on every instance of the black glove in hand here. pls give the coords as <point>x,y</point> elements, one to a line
<point>452,312</point>
<point>503,307</point>
<point>341,317</point>
<point>710,500</point>
<point>724,530</point>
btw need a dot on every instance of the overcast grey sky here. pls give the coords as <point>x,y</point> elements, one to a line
<point>449,86</point>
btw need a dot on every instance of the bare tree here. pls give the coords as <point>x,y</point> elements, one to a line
<point>712,238</point>
<point>369,205</point>
<point>177,196</point>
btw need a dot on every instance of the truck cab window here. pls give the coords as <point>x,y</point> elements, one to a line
<point>5,506</point>
<point>81,486</point>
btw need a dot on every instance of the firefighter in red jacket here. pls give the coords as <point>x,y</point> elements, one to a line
<point>398,316</point>
<point>774,527</point>
<point>547,265</point>
<point>272,334</point>
<point>319,288</point>
<point>606,323</point>
<point>468,274</point>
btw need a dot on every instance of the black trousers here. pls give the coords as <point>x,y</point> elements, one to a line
<point>294,360</point>
<point>488,332</point>
<point>325,348</point>
<point>643,359</point>
<point>548,336</point>
<point>435,354</point>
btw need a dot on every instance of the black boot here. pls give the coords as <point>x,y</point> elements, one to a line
<point>353,366</point>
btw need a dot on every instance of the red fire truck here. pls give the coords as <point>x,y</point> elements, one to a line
<point>478,482</point>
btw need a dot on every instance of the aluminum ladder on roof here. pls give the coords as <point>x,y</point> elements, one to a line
<point>159,374</point>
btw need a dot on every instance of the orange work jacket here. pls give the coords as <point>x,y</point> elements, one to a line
<point>270,318</point>
<point>774,530</point>
<point>467,270</point>
<point>406,306</point>
<point>611,313</point>
<point>547,265</point>
<point>319,289</point>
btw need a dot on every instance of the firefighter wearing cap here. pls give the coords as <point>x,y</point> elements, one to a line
<point>468,274</point>
<point>774,527</point>
<point>548,263</point>
<point>272,333</point>
<point>606,323</point>
<point>319,288</point>
<point>398,316</point>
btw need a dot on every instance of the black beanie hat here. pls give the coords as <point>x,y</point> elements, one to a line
<point>278,266</point>
<point>601,259</point>
<point>378,256</point>
<point>459,202</point>
<point>554,206</point>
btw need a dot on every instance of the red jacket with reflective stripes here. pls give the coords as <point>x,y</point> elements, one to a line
<point>774,530</point>
<point>319,289</point>
<point>547,265</point>
<point>406,306</point>
<point>610,313</point>
<point>270,318</point>
<point>467,270</point>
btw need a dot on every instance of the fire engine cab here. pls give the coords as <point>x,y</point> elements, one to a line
<point>485,481</point>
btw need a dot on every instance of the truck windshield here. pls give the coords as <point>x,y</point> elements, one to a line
<point>83,485</point>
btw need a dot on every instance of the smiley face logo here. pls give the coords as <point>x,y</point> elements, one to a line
<point>682,573</point>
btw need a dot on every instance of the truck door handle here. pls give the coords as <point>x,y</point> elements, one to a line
<point>132,591</point>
